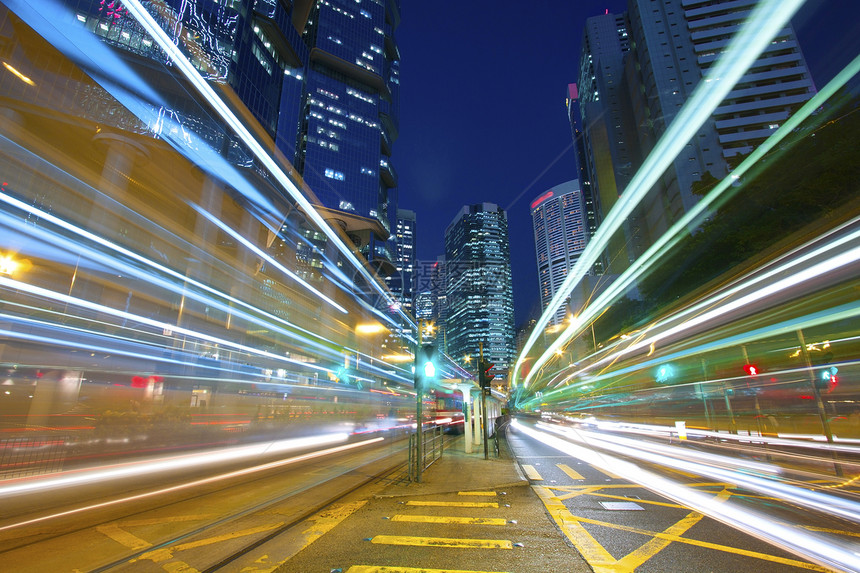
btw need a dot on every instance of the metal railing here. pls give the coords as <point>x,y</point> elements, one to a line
<point>434,446</point>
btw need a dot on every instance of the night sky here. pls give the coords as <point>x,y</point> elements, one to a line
<point>483,115</point>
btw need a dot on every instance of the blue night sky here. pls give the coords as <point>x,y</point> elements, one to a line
<point>483,115</point>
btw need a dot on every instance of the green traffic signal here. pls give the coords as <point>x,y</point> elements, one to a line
<point>425,361</point>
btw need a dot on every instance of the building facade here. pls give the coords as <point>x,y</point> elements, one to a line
<point>401,283</point>
<point>480,308</point>
<point>561,234</point>
<point>636,71</point>
<point>349,117</point>
<point>609,140</point>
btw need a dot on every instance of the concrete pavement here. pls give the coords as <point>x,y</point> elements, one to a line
<point>468,514</point>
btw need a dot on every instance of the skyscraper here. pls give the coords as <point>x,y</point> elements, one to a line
<point>637,70</point>
<point>608,129</point>
<point>479,286</point>
<point>402,282</point>
<point>321,78</point>
<point>560,227</point>
<point>349,118</point>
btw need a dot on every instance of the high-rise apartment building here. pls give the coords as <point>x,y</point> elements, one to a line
<point>479,287</point>
<point>636,72</point>
<point>561,233</point>
<point>609,137</point>
<point>775,86</point>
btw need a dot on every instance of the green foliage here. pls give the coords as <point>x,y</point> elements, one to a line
<point>804,181</point>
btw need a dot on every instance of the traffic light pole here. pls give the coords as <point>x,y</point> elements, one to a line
<point>419,411</point>
<point>483,404</point>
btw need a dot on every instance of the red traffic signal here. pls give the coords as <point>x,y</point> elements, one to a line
<point>484,376</point>
<point>752,370</point>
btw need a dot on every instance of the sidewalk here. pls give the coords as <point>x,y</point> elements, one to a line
<point>468,515</point>
<point>458,471</point>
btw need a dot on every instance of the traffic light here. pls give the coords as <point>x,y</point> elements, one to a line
<point>828,379</point>
<point>484,375</point>
<point>425,362</point>
<point>752,370</point>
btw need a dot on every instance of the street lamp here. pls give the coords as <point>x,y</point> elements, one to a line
<point>8,265</point>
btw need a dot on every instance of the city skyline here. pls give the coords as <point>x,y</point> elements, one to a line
<point>495,128</point>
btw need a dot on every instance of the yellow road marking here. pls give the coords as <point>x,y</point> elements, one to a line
<point>827,530</point>
<point>621,497</point>
<point>685,474</point>
<point>532,473</point>
<point>454,503</point>
<point>118,532</point>
<point>570,471</point>
<point>602,562</point>
<point>449,519</point>
<point>123,537</point>
<point>591,550</point>
<point>483,493</point>
<point>166,553</point>
<point>585,491</point>
<point>377,569</point>
<point>319,524</point>
<point>650,548</point>
<point>718,547</point>
<point>442,542</point>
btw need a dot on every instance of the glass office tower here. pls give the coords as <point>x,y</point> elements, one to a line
<point>479,287</point>
<point>349,117</point>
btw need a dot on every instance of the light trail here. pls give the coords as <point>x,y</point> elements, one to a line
<point>665,243</point>
<point>173,463</point>
<point>764,23</point>
<point>715,467</point>
<point>195,483</point>
<point>265,256</point>
<point>819,548</point>
<point>145,19</point>
<point>60,297</point>
<point>179,287</point>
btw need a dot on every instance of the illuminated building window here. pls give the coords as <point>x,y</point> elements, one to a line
<point>332,174</point>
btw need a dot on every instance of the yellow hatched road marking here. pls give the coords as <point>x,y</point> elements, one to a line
<point>377,569</point>
<point>650,548</point>
<point>572,473</point>
<point>481,493</point>
<point>453,503</point>
<point>602,562</point>
<point>163,554</point>
<point>442,542</point>
<point>591,550</point>
<point>318,525</point>
<point>532,473</point>
<point>644,501</point>
<point>450,519</point>
<point>718,547</point>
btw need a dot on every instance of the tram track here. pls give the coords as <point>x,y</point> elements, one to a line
<point>276,514</point>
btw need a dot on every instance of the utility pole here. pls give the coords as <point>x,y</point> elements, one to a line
<point>483,402</point>
<point>419,410</point>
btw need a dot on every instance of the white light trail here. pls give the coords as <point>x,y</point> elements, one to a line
<point>265,256</point>
<point>53,295</point>
<point>145,19</point>
<point>816,547</point>
<point>673,236</point>
<point>765,22</point>
<point>195,483</point>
